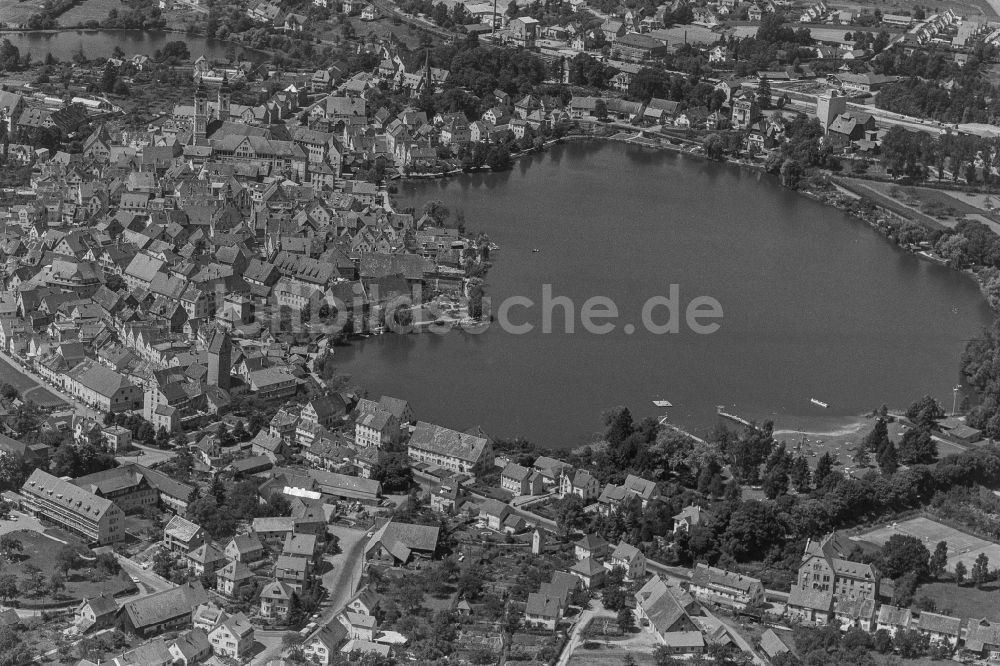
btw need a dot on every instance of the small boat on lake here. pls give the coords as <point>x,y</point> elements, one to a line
<point>820,403</point>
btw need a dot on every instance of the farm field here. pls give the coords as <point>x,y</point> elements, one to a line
<point>89,10</point>
<point>14,13</point>
<point>951,599</point>
<point>962,547</point>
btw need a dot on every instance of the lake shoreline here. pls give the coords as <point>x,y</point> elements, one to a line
<point>834,197</point>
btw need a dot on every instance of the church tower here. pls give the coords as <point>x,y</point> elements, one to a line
<point>220,359</point>
<point>200,111</point>
<point>224,96</point>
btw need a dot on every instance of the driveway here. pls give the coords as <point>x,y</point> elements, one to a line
<point>576,637</point>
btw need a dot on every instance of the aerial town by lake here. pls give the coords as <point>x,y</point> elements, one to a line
<point>279,383</point>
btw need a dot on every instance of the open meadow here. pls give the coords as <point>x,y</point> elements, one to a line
<point>13,13</point>
<point>89,10</point>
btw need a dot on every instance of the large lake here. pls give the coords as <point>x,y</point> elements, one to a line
<point>816,304</point>
<point>101,44</point>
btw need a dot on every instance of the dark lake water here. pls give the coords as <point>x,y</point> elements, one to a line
<point>815,303</point>
<point>101,44</point>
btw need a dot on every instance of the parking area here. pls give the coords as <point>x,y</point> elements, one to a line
<point>20,521</point>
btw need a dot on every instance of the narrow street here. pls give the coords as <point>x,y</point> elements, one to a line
<point>341,581</point>
<point>147,578</point>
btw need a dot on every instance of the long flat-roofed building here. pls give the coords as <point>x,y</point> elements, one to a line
<point>96,519</point>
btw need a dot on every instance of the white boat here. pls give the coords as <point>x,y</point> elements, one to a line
<point>818,402</point>
<point>662,403</point>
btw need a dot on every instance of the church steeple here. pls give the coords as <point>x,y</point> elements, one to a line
<point>200,111</point>
<point>224,97</point>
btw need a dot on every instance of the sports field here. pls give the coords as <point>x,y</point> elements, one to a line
<point>962,547</point>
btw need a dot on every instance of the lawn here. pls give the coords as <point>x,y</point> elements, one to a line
<point>951,599</point>
<point>89,10</point>
<point>40,551</point>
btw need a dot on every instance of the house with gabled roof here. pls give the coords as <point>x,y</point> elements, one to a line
<point>591,546</point>
<point>398,543</point>
<point>809,605</point>
<point>521,480</point>
<point>940,630</point>
<point>664,610</point>
<point>726,587</point>
<point>581,483</point>
<point>982,639</point>
<point>244,548</point>
<point>275,601</point>
<point>630,559</point>
<point>95,613</point>
<point>690,516</point>
<point>231,579</point>
<point>543,610</point>
<point>854,612</point>
<point>233,637</point>
<point>591,572</point>
<point>161,611</point>
<point>206,558</point>
<point>324,644</point>
<point>450,449</point>
<point>893,619</point>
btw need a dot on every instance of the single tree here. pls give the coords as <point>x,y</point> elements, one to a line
<point>57,583</point>
<point>801,474</point>
<point>980,570</point>
<point>824,467</point>
<point>626,621</point>
<point>861,456</point>
<point>939,560</point>
<point>903,554</point>
<point>959,572</point>
<point>764,94</point>
<point>886,459</point>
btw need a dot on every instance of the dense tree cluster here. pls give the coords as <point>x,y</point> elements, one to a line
<point>981,367</point>
<point>934,86</point>
<point>481,70</point>
<point>226,503</point>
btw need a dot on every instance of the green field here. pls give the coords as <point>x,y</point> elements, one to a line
<point>962,601</point>
<point>28,387</point>
<point>14,13</point>
<point>89,10</point>
<point>81,583</point>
